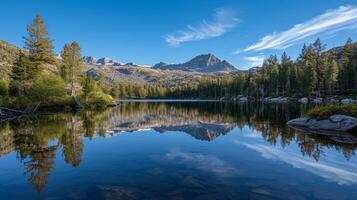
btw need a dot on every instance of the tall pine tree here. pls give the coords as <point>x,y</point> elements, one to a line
<point>39,45</point>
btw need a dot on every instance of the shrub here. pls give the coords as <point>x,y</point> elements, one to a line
<point>49,89</point>
<point>101,100</point>
<point>4,88</point>
<point>93,95</point>
<point>327,111</point>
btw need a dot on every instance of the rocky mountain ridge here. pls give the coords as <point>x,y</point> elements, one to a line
<point>206,63</point>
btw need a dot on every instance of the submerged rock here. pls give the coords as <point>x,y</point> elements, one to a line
<point>333,123</point>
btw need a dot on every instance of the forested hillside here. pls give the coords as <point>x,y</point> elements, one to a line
<point>35,76</point>
<point>8,56</point>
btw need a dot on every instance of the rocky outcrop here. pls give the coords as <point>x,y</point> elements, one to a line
<point>341,123</point>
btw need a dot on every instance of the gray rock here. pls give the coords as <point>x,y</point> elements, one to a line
<point>332,100</point>
<point>304,100</point>
<point>318,100</point>
<point>333,123</point>
<point>298,121</point>
<point>276,99</point>
<point>243,99</point>
<point>347,101</point>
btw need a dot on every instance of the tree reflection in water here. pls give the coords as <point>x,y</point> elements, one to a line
<point>36,140</point>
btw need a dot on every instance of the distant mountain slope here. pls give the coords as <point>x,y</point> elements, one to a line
<point>101,61</point>
<point>8,56</point>
<point>138,74</point>
<point>206,63</point>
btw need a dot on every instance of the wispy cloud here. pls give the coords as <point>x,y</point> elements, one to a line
<point>332,21</point>
<point>202,162</point>
<point>341,173</point>
<point>253,61</point>
<point>222,22</point>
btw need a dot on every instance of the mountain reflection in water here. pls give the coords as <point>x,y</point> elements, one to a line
<point>37,140</point>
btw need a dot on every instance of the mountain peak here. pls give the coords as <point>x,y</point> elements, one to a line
<point>204,63</point>
<point>101,61</point>
<point>204,60</point>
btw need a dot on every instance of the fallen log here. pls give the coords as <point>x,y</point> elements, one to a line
<point>10,113</point>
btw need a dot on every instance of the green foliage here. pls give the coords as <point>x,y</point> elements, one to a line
<point>21,76</point>
<point>72,65</point>
<point>4,88</point>
<point>99,99</point>
<point>31,76</point>
<point>327,111</point>
<point>103,83</point>
<point>39,44</point>
<point>8,56</point>
<point>89,86</point>
<point>49,89</point>
<point>93,95</point>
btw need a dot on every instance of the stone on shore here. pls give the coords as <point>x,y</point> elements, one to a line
<point>347,101</point>
<point>243,99</point>
<point>342,123</point>
<point>276,99</point>
<point>317,100</point>
<point>304,100</point>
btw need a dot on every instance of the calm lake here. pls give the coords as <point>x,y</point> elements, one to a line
<point>174,150</point>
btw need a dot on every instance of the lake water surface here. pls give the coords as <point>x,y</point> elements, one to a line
<point>174,150</point>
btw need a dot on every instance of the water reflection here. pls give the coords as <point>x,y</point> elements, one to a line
<point>36,140</point>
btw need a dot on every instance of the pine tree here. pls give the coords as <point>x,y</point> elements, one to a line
<point>72,65</point>
<point>306,64</point>
<point>88,87</point>
<point>348,73</point>
<point>284,74</point>
<point>65,68</point>
<point>39,45</point>
<point>332,74</point>
<point>20,76</point>
<point>318,48</point>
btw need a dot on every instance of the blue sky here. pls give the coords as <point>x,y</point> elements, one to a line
<point>174,31</point>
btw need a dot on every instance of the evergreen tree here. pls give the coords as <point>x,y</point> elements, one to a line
<point>88,87</point>
<point>348,69</point>
<point>39,45</point>
<point>284,74</point>
<point>318,48</point>
<point>66,63</point>
<point>72,65</point>
<point>20,76</point>
<point>331,77</point>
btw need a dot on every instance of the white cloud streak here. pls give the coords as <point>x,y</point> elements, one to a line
<point>222,22</point>
<point>342,18</point>
<point>334,171</point>
<point>254,61</point>
<point>202,162</point>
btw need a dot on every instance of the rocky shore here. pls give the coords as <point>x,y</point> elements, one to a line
<point>340,123</point>
<point>303,100</point>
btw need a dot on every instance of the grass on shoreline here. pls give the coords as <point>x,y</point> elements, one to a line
<point>333,109</point>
